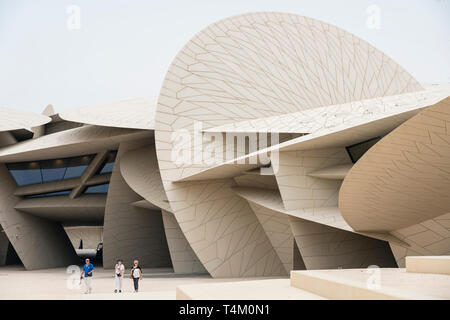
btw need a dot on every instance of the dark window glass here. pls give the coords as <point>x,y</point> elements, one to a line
<point>108,168</point>
<point>49,175</point>
<point>356,151</point>
<point>77,166</point>
<point>53,170</point>
<point>26,173</point>
<point>109,163</point>
<point>74,172</point>
<point>100,188</point>
<point>49,194</point>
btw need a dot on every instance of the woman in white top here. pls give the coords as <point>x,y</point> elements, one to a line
<point>136,275</point>
<point>119,270</point>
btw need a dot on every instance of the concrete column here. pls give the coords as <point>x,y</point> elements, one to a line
<point>131,232</point>
<point>184,259</point>
<point>38,242</point>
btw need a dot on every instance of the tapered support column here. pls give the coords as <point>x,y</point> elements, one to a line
<point>324,247</point>
<point>131,232</point>
<point>184,259</point>
<point>38,242</point>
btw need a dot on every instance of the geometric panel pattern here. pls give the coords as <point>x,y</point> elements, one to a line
<point>38,242</point>
<point>133,113</point>
<point>324,247</point>
<point>277,227</point>
<point>131,232</point>
<point>224,232</point>
<point>299,190</point>
<point>404,179</point>
<point>139,168</point>
<point>183,258</point>
<point>429,238</point>
<point>322,119</point>
<point>247,67</point>
<point>257,181</point>
<point>315,90</point>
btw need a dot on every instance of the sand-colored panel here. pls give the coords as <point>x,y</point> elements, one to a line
<point>131,232</point>
<point>428,264</point>
<point>300,190</point>
<point>324,247</point>
<point>13,119</point>
<point>233,71</point>
<point>139,168</point>
<point>267,289</point>
<point>70,143</point>
<point>134,113</point>
<point>372,284</point>
<point>39,243</point>
<point>428,238</point>
<point>404,179</point>
<point>184,259</point>
<point>88,209</point>
<point>278,230</point>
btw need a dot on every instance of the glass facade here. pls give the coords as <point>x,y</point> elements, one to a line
<point>100,188</point>
<point>43,171</point>
<point>108,165</point>
<point>35,172</point>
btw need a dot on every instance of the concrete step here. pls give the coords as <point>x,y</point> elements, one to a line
<point>428,264</point>
<point>272,289</point>
<point>372,284</point>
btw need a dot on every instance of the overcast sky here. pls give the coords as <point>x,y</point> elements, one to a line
<point>123,48</point>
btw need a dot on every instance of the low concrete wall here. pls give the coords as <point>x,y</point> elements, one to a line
<point>428,264</point>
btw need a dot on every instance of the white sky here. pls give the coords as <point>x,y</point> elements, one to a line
<point>124,47</point>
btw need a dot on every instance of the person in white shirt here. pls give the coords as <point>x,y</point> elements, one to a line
<point>136,275</point>
<point>119,270</point>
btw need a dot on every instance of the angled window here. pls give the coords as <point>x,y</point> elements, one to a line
<point>97,189</point>
<point>77,166</point>
<point>35,172</point>
<point>53,170</point>
<point>109,163</point>
<point>25,173</point>
<point>357,150</point>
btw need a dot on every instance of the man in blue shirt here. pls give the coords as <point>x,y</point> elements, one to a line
<point>87,271</point>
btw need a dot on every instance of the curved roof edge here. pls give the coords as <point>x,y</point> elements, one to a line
<point>136,113</point>
<point>13,119</point>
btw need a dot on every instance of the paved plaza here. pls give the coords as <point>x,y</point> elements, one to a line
<point>17,283</point>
